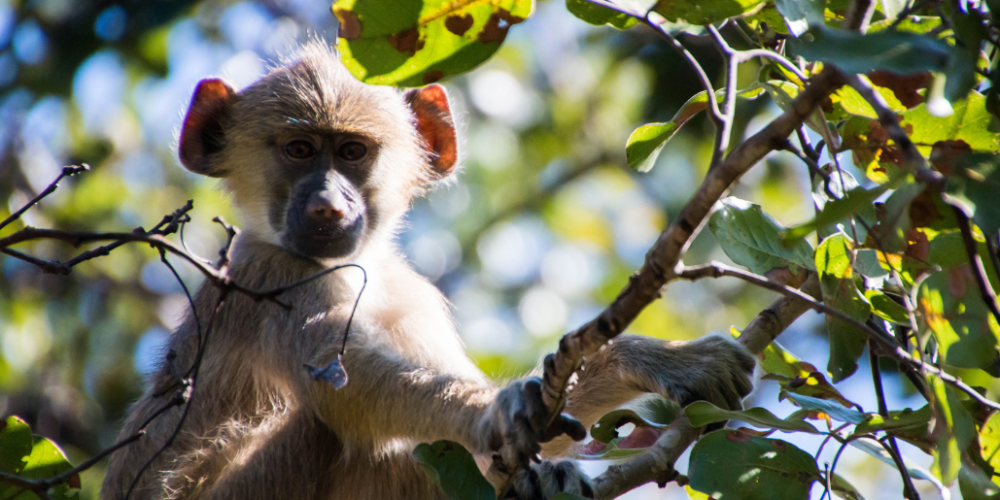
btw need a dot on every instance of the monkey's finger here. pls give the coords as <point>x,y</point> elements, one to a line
<point>565,424</point>
<point>538,415</point>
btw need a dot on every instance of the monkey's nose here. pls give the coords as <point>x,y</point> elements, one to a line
<point>322,209</point>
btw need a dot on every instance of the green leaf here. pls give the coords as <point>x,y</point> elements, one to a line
<point>912,24</point>
<point>452,468</point>
<point>854,104</point>
<point>894,217</point>
<point>704,11</point>
<point>701,413</point>
<point>886,308</point>
<point>989,441</point>
<point>907,422</point>
<point>835,410</point>
<point>800,14</point>
<point>974,188</point>
<point>599,15</point>
<point>840,182</point>
<point>867,264</point>
<point>797,376</point>
<point>954,429</point>
<point>903,53</point>
<point>30,457</point>
<point>729,464</point>
<point>976,485</point>
<point>961,72</point>
<point>657,413</point>
<point>15,444</point>
<point>753,239</point>
<point>844,489</point>
<point>966,332</point>
<point>856,201</point>
<point>416,43</point>
<point>645,143</point>
<point>970,123</point>
<point>836,275</point>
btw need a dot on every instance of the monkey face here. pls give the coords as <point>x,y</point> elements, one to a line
<point>325,215</point>
<point>318,162</point>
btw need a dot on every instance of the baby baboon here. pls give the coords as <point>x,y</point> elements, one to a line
<point>322,169</point>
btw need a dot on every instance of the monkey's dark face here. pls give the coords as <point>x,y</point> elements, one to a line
<point>320,209</point>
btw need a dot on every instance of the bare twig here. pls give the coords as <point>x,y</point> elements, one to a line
<point>886,342</point>
<point>713,105</point>
<point>976,263</point>
<point>66,172</point>
<point>723,133</point>
<point>716,270</point>
<point>909,490</point>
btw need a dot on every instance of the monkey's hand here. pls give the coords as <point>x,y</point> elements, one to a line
<point>547,480</point>
<point>517,421</point>
<point>717,369</point>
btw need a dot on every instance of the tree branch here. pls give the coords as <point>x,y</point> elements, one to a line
<point>658,460</point>
<point>658,269</point>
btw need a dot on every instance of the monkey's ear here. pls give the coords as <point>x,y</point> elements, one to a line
<point>202,133</point>
<point>436,126</point>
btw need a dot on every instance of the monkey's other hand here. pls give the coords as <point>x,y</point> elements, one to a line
<point>517,421</point>
<point>720,372</point>
<point>547,480</point>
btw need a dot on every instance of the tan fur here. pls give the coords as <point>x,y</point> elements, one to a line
<point>258,426</point>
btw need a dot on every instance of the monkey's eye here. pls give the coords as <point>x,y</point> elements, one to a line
<point>352,151</point>
<point>300,150</point>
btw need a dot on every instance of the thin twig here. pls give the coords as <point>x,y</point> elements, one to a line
<point>723,133</point>
<point>887,344</point>
<point>66,172</point>
<point>909,490</point>
<point>976,263</point>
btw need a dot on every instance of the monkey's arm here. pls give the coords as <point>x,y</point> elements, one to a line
<point>388,397</point>
<point>713,368</point>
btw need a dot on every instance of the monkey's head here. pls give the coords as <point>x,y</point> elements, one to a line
<point>318,162</point>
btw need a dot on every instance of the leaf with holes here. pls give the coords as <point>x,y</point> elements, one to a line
<point>656,414</point>
<point>733,464</point>
<point>416,43</point>
<point>753,239</point>
<point>452,468</point>
<point>645,143</point>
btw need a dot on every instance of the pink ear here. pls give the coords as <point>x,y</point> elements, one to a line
<point>202,133</point>
<point>436,126</point>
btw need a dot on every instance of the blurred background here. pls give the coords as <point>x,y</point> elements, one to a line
<point>536,235</point>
